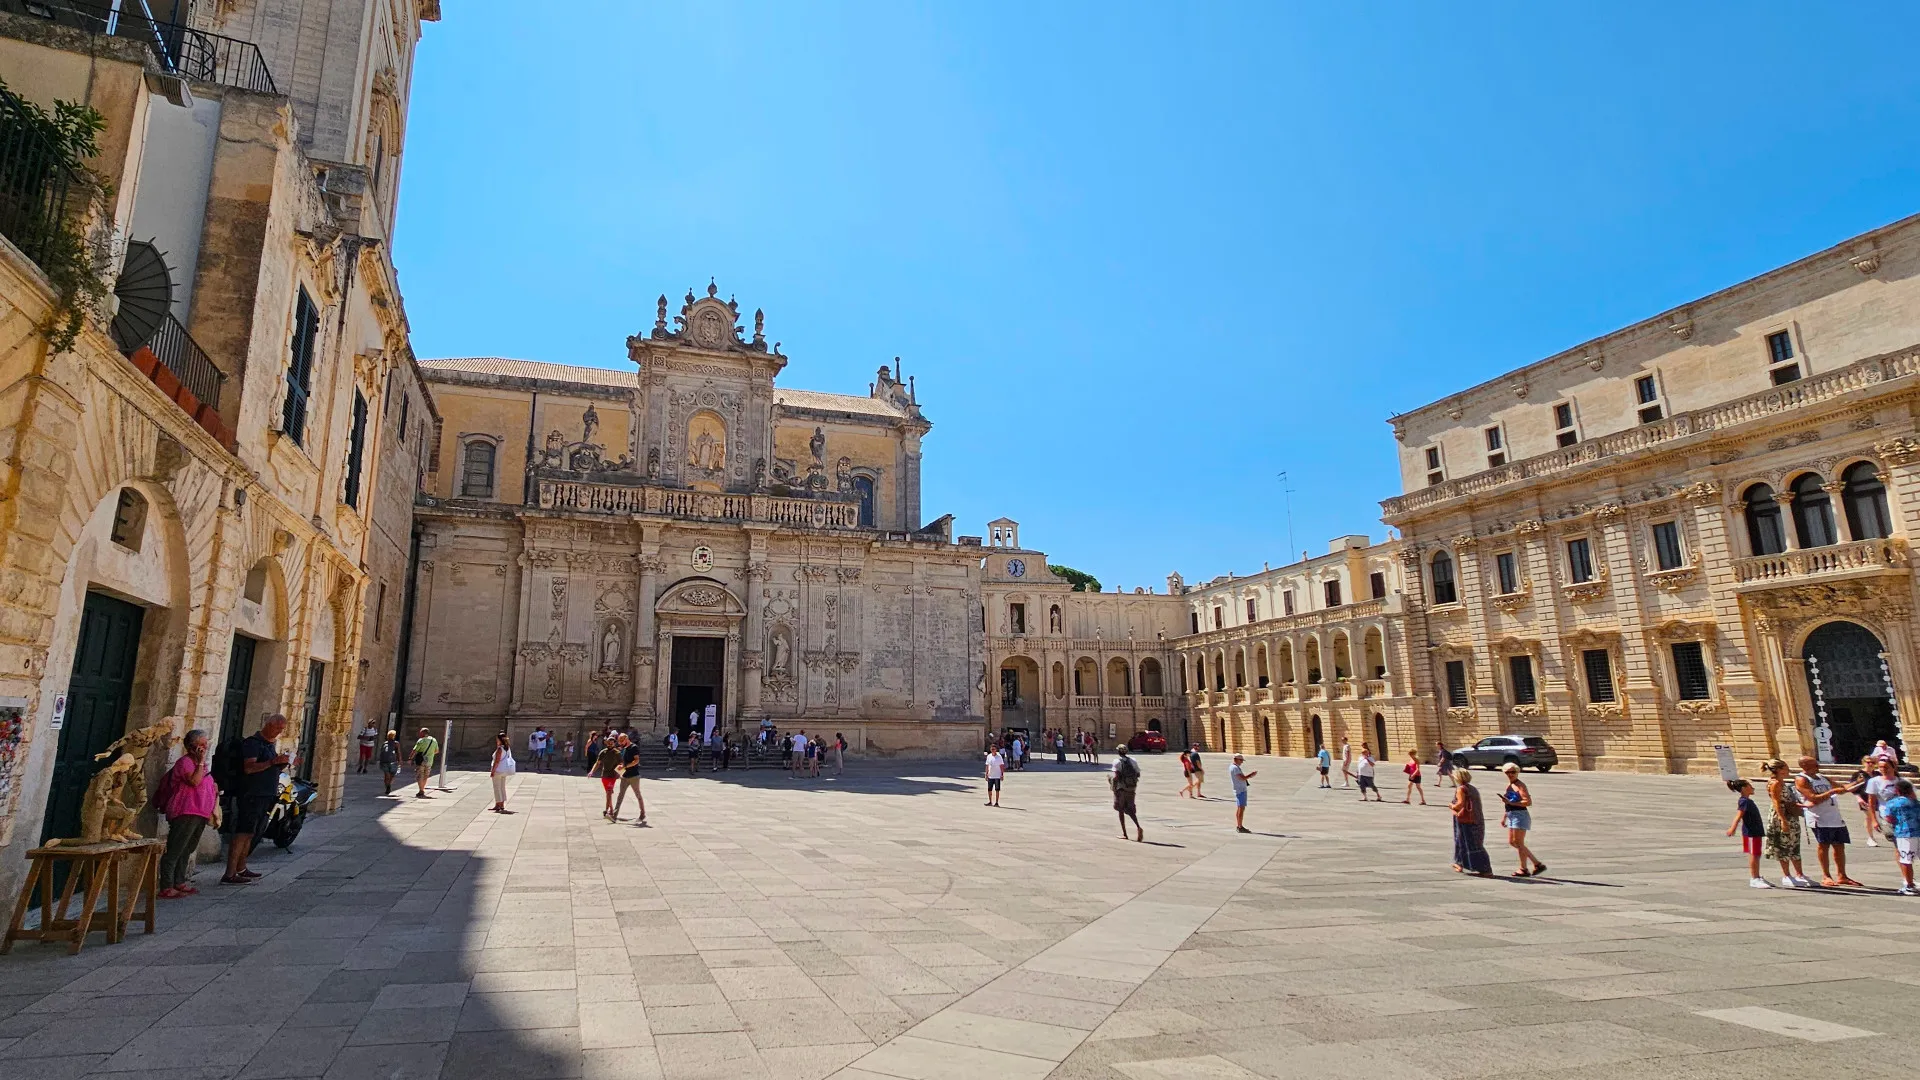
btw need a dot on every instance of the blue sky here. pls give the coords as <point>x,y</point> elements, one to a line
<point>1140,258</point>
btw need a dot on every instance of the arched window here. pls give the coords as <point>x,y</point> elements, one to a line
<point>476,470</point>
<point>1443,590</point>
<point>863,487</point>
<point>1765,533</point>
<point>1812,512</point>
<point>1866,500</point>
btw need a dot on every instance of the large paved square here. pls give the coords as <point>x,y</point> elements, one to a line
<point>887,924</point>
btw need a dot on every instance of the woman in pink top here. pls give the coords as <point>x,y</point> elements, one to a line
<point>187,797</point>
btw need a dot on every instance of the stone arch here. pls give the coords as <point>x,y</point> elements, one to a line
<point>1086,677</point>
<point>1219,669</point>
<point>1846,661</point>
<point>1019,685</point>
<point>1342,655</point>
<point>699,595</point>
<point>1152,681</point>
<point>1316,670</point>
<point>1285,652</point>
<point>1119,678</point>
<point>1373,650</point>
<point>1813,518</point>
<point>1239,667</point>
<point>1863,495</point>
<point>1262,670</point>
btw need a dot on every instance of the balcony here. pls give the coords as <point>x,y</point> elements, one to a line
<point>1374,688</point>
<point>1822,563</point>
<point>1086,701</point>
<point>609,498</point>
<point>1877,372</point>
<point>1153,701</point>
<point>183,372</point>
<point>193,55</point>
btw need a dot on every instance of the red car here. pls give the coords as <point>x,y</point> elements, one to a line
<point>1148,741</point>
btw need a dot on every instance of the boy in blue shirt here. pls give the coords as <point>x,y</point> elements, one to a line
<point>1326,763</point>
<point>1901,815</point>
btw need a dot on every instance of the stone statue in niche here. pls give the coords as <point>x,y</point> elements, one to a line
<point>781,649</point>
<point>706,443</point>
<point>589,423</point>
<point>818,444</point>
<point>610,647</point>
<point>1053,621</point>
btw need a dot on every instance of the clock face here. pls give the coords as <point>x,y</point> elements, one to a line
<point>1016,567</point>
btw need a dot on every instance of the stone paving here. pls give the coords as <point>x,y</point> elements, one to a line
<point>886,924</point>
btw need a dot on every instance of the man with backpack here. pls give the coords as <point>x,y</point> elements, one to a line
<point>1125,781</point>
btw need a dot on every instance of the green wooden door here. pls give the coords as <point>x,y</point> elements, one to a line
<point>233,710</point>
<point>98,694</point>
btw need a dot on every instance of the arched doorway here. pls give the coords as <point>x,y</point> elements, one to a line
<point>1843,659</point>
<point>1380,735</point>
<point>1319,735</point>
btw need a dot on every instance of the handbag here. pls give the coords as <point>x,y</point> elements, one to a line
<point>507,766</point>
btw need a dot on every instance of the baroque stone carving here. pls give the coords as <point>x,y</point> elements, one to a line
<point>1901,451</point>
<point>701,596</point>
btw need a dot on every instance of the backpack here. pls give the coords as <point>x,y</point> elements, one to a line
<point>226,771</point>
<point>1127,774</point>
<point>169,788</point>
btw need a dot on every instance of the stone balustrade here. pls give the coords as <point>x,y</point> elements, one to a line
<point>1761,571</point>
<point>1773,401</point>
<point>589,497</point>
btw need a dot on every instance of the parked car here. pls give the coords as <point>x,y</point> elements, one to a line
<point>1152,742</point>
<point>1526,751</point>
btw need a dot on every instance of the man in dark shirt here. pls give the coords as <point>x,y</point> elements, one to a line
<point>260,766</point>
<point>629,780</point>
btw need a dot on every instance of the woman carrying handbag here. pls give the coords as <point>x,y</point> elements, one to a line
<point>503,767</point>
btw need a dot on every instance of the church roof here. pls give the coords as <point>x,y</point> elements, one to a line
<point>533,369</point>
<point>847,403</point>
<point>856,404</point>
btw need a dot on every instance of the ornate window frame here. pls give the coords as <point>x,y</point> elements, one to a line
<point>1578,644</point>
<point>1706,634</point>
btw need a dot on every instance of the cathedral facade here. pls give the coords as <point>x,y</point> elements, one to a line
<point>631,547</point>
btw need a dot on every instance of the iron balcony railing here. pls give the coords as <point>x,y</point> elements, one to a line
<point>35,182</point>
<point>195,55</point>
<point>174,347</point>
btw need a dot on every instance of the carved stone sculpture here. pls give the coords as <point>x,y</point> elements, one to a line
<point>117,793</point>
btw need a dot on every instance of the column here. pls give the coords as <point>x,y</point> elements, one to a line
<point>663,678</point>
<point>1837,505</point>
<point>752,659</point>
<point>647,661</point>
<point>1787,529</point>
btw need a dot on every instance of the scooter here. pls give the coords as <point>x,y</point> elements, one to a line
<point>289,811</point>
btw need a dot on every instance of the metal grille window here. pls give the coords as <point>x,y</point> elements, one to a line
<point>1457,684</point>
<point>1690,671</point>
<point>1521,670</point>
<point>306,337</point>
<point>1508,574</point>
<point>1579,560</point>
<point>476,478</point>
<point>1666,545</point>
<point>356,448</point>
<point>1599,667</point>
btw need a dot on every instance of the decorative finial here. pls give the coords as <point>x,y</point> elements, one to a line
<point>713,288</point>
<point>689,296</point>
<point>660,317</point>
<point>759,326</point>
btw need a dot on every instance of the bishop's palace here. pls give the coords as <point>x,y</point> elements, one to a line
<point>235,490</point>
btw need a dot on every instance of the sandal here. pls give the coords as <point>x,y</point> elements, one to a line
<point>1539,868</point>
<point>231,880</point>
<point>169,893</point>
